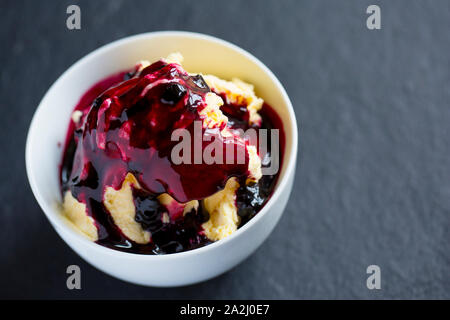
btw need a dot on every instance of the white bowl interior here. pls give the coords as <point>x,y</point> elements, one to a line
<point>202,54</point>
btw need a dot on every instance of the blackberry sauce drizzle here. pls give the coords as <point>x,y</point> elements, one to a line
<point>126,127</point>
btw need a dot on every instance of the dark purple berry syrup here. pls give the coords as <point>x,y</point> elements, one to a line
<point>126,127</point>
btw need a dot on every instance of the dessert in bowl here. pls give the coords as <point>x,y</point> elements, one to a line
<point>120,199</point>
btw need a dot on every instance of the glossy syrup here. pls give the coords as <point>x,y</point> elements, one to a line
<point>115,138</point>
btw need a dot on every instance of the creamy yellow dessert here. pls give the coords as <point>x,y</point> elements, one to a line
<point>122,199</point>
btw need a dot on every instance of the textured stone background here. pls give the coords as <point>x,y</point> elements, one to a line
<point>373,177</point>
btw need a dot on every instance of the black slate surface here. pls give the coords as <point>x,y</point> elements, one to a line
<point>373,179</point>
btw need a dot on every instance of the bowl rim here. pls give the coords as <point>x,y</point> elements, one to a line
<point>59,225</point>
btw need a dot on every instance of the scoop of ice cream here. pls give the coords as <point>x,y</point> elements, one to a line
<point>123,146</point>
<point>129,129</point>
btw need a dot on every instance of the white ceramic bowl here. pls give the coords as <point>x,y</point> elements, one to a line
<point>204,54</point>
